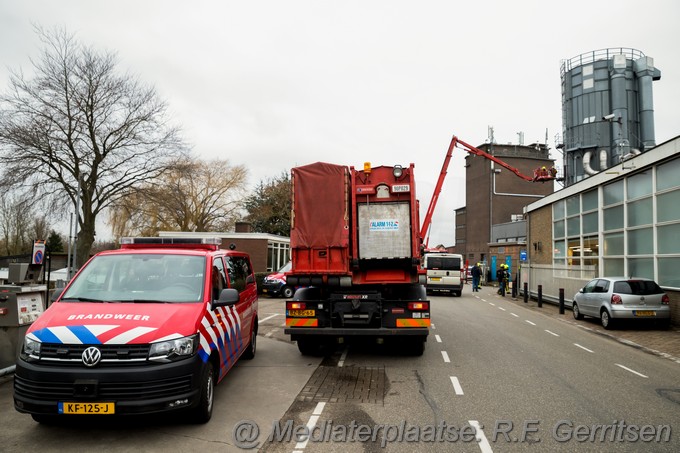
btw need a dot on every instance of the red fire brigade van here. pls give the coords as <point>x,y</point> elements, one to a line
<point>147,328</point>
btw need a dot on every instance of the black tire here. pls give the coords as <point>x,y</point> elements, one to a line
<point>606,320</point>
<point>458,293</point>
<point>287,292</point>
<point>576,312</point>
<point>203,412</point>
<point>251,349</point>
<point>311,345</point>
<point>664,324</point>
<point>416,346</point>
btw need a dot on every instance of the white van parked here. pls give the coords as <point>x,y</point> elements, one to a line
<point>445,272</point>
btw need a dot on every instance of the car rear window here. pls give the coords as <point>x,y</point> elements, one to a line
<point>637,287</point>
<point>446,264</point>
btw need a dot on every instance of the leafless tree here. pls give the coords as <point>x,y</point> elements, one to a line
<point>195,195</point>
<point>16,215</point>
<point>79,133</point>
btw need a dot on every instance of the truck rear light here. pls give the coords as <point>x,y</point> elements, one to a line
<point>296,305</point>
<point>616,299</point>
<point>418,306</point>
<point>665,300</point>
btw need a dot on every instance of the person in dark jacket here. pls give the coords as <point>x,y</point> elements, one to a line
<point>476,272</point>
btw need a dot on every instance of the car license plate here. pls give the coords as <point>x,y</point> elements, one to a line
<point>87,408</point>
<point>264,290</point>
<point>301,312</point>
<point>645,313</point>
<point>435,279</point>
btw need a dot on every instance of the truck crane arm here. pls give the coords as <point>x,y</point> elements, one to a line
<point>540,175</point>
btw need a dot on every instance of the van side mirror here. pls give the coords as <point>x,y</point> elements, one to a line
<point>250,279</point>
<point>228,296</point>
<point>55,295</point>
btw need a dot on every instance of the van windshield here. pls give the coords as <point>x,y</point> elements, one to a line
<point>443,263</point>
<point>286,267</point>
<point>137,277</point>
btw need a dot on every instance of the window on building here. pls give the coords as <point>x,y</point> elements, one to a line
<point>613,193</point>
<point>278,255</point>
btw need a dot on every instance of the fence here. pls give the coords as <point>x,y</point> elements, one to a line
<point>552,278</point>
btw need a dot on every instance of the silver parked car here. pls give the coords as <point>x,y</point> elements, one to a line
<point>612,298</point>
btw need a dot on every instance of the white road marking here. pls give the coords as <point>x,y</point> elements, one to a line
<point>552,333</point>
<point>269,317</point>
<point>482,441</point>
<point>341,362</point>
<point>632,371</point>
<point>456,385</point>
<point>513,314</point>
<point>432,325</point>
<point>532,323</point>
<point>501,308</point>
<point>311,424</point>
<point>445,355</point>
<point>584,348</point>
<point>438,338</point>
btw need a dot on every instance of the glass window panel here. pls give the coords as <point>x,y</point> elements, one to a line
<point>574,226</point>
<point>641,267</point>
<point>590,223</point>
<point>668,272</point>
<point>613,267</point>
<point>667,206</point>
<point>558,210</point>
<point>589,200</point>
<point>613,193</point>
<point>559,251</point>
<point>640,212</point>
<point>573,205</point>
<point>667,175</point>
<point>613,218</point>
<point>640,242</point>
<point>640,185</point>
<point>668,239</point>
<point>574,247</point>
<point>559,229</point>
<point>591,246</point>
<point>613,244</point>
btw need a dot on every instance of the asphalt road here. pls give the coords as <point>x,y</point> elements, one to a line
<point>494,377</point>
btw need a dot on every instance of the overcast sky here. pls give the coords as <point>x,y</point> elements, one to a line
<point>278,83</point>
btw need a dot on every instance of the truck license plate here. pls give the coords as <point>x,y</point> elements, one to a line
<point>301,312</point>
<point>645,313</point>
<point>87,408</point>
<point>435,279</point>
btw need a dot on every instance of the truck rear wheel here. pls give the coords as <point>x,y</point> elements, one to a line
<point>414,346</point>
<point>311,345</point>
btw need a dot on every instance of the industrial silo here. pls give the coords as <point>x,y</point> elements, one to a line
<point>607,109</point>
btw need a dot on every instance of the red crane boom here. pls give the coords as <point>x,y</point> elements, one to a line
<point>540,175</point>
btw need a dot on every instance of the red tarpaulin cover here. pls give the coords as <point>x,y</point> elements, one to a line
<point>320,206</point>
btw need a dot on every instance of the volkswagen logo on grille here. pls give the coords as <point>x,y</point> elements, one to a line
<point>91,356</point>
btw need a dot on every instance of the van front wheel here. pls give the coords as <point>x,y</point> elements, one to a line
<point>203,412</point>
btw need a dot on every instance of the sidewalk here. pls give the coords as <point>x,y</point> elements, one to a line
<point>644,336</point>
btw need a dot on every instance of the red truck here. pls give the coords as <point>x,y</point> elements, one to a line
<point>356,252</point>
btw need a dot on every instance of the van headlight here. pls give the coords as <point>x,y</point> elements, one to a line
<point>180,348</point>
<point>30,349</point>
